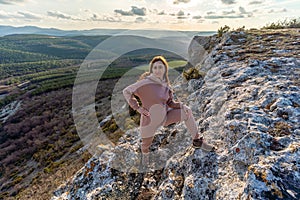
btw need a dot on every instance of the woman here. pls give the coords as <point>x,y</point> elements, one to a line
<point>158,107</point>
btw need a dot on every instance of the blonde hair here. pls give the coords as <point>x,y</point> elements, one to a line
<point>154,60</point>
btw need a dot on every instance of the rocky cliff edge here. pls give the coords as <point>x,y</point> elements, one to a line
<point>247,104</point>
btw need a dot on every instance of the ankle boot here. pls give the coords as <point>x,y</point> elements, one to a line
<point>201,143</point>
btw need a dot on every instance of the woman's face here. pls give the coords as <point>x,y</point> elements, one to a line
<point>158,69</point>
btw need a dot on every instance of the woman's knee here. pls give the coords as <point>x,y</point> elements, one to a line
<point>186,112</point>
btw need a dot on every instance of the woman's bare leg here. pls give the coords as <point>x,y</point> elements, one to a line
<point>178,115</point>
<point>146,143</point>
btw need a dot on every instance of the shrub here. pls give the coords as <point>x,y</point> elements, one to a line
<point>192,73</point>
<point>240,29</point>
<point>292,23</point>
<point>223,30</point>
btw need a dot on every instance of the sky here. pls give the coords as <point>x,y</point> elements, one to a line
<point>189,15</point>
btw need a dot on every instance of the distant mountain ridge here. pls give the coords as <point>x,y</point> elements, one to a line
<point>9,30</point>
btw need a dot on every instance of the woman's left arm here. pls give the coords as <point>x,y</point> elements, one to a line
<point>171,103</point>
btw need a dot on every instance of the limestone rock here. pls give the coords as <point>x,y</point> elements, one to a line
<point>248,105</point>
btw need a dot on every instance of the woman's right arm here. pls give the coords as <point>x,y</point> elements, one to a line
<point>128,93</point>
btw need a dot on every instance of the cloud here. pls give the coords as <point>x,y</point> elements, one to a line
<point>197,17</point>
<point>11,1</point>
<point>255,2</point>
<point>278,11</point>
<point>210,13</point>
<point>161,13</point>
<point>156,12</point>
<point>134,11</point>
<point>60,15</point>
<point>181,1</point>
<point>228,2</point>
<point>140,20</point>
<point>4,15</point>
<point>244,12</point>
<point>228,12</point>
<point>95,17</point>
<point>29,15</point>
<point>223,17</point>
<point>138,11</point>
<point>200,21</point>
<point>124,13</point>
<point>180,13</point>
<point>19,15</point>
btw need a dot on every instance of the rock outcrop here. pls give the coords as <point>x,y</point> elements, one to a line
<point>247,104</point>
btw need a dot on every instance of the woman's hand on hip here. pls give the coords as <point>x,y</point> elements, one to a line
<point>143,111</point>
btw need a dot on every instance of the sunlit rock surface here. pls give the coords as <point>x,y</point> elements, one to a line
<point>248,105</point>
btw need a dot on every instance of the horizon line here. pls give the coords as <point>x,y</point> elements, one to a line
<point>151,29</point>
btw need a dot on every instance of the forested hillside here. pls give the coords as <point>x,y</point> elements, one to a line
<point>26,48</point>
